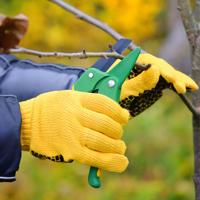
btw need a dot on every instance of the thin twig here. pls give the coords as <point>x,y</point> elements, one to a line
<point>82,54</point>
<point>189,104</point>
<point>91,20</point>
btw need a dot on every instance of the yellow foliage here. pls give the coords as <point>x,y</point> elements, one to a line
<point>52,28</point>
<point>135,19</point>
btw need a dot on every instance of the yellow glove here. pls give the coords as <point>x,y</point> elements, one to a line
<point>68,125</point>
<point>144,88</point>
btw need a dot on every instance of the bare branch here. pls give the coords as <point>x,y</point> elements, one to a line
<point>189,105</point>
<point>91,20</point>
<point>188,20</point>
<point>82,54</point>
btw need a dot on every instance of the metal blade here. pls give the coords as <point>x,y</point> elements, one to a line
<point>104,64</point>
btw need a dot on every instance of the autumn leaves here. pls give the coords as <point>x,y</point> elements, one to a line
<point>12,30</point>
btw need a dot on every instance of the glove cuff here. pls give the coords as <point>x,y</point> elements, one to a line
<point>26,112</point>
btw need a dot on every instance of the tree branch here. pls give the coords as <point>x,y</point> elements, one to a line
<point>189,104</point>
<point>91,20</point>
<point>83,54</point>
<point>188,20</point>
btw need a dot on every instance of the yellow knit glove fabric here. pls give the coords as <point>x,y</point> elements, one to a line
<point>142,89</point>
<point>69,125</point>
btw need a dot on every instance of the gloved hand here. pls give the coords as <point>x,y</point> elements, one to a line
<point>142,89</point>
<point>68,125</point>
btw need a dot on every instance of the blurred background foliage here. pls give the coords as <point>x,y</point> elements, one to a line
<point>52,28</point>
<point>159,141</point>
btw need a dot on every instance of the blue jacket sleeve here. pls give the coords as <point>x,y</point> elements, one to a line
<point>10,151</point>
<point>26,79</point>
<point>21,80</point>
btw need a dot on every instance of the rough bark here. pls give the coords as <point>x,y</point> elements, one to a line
<point>190,21</point>
<point>175,48</point>
<point>196,118</point>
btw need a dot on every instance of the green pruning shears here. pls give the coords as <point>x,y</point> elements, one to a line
<point>107,83</point>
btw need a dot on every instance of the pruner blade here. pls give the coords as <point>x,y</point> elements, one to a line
<point>123,68</point>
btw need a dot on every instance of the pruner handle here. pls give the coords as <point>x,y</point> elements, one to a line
<point>113,93</point>
<point>109,84</point>
<point>93,178</point>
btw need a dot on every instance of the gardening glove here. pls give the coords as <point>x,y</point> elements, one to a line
<point>68,125</point>
<point>143,88</point>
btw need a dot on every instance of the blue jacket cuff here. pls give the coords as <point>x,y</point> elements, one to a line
<point>10,148</point>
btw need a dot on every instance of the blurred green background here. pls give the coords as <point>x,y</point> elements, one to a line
<point>159,140</point>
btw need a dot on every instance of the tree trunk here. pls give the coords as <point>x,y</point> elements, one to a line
<point>175,48</point>
<point>190,17</point>
<point>196,118</point>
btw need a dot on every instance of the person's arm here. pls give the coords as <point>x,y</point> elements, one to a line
<point>27,79</point>
<point>60,125</point>
<point>21,80</point>
<point>10,148</point>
